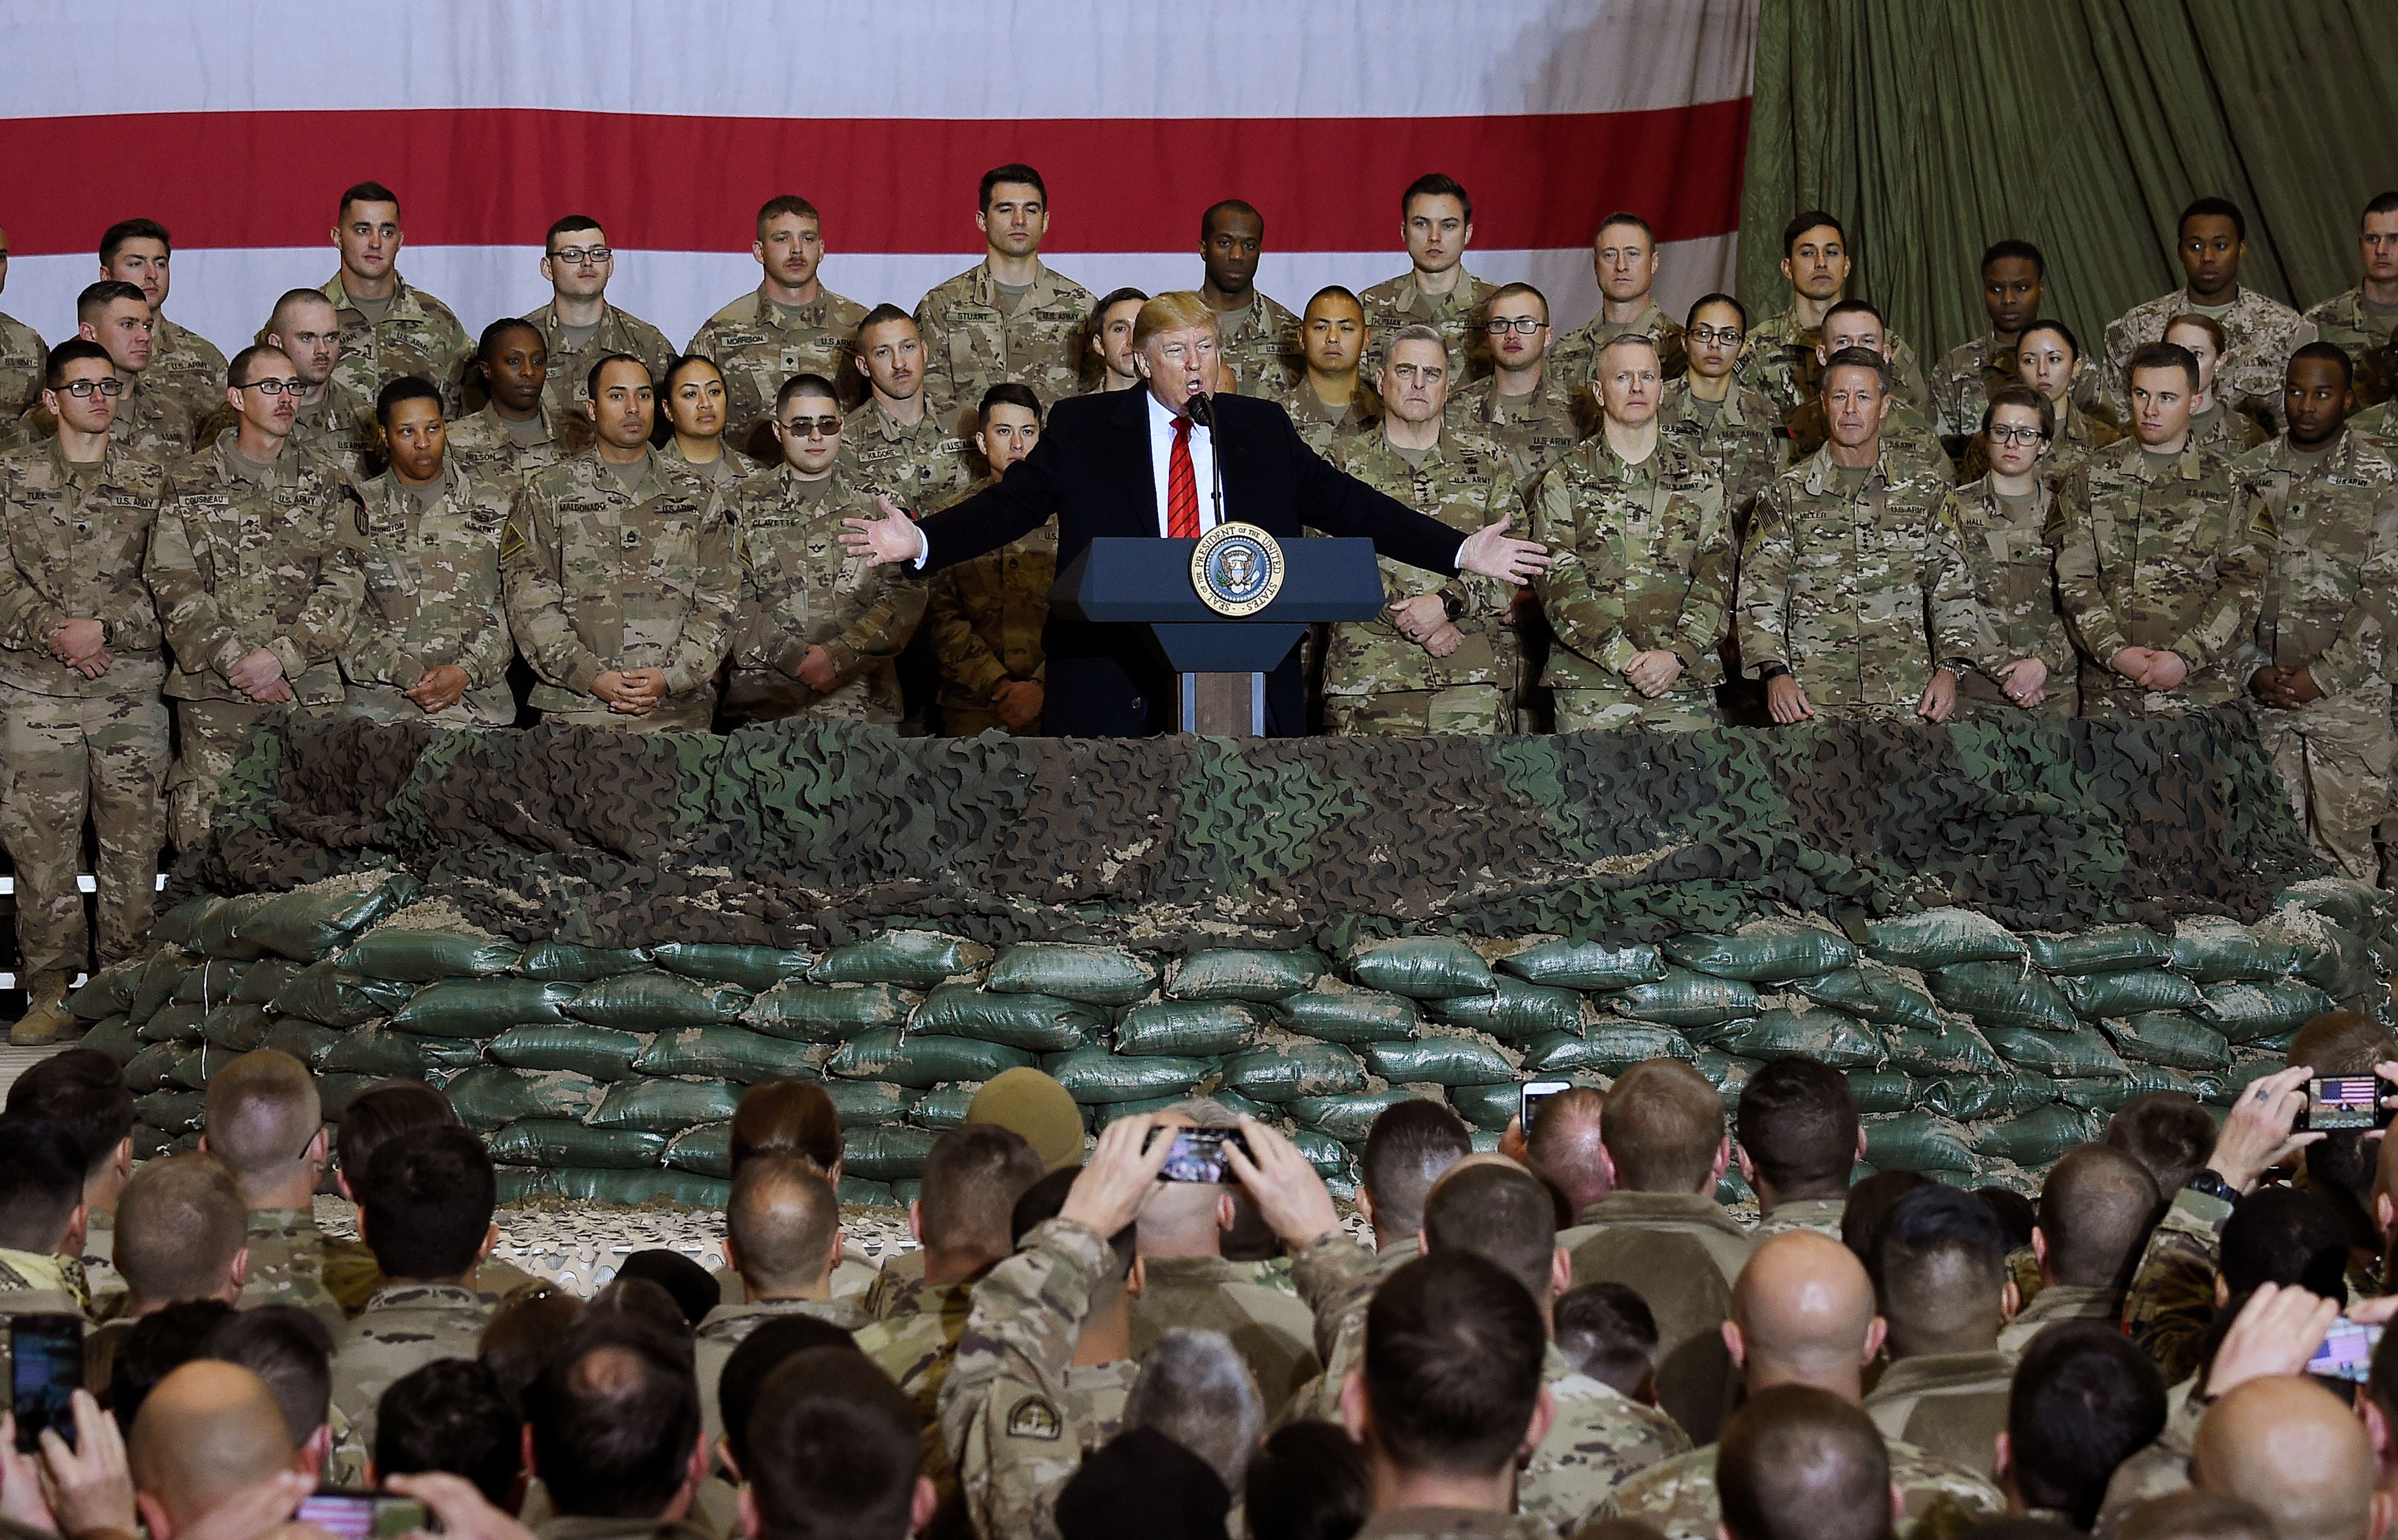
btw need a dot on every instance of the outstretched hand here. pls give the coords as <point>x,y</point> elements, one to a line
<point>892,537</point>
<point>1489,552</point>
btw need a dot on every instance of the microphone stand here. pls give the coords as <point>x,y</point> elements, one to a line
<point>1202,408</point>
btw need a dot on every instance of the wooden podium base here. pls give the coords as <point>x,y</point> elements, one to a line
<point>1224,706</point>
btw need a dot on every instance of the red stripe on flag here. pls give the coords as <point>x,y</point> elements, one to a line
<point>486,177</point>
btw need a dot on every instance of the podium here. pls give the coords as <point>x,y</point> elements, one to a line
<point>1222,658</point>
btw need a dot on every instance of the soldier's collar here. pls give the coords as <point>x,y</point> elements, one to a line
<point>1043,289</point>
<point>1822,474</point>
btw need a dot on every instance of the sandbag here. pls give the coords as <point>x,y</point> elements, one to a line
<point>236,1029</point>
<point>664,1106</point>
<point>1516,1010</point>
<point>174,926</point>
<point>944,1107</point>
<point>602,1053</point>
<point>332,995</point>
<point>1969,1098</point>
<point>1094,1076</point>
<point>488,1096</point>
<point>115,1036</point>
<point>829,1013</point>
<point>865,1104</point>
<point>2224,1088</point>
<point>1686,999</point>
<point>380,1051</point>
<point>2344,902</point>
<point>2003,994</point>
<point>2176,1039</point>
<point>1728,1073</point>
<point>1349,1016</point>
<point>211,983</point>
<point>1350,1118</point>
<point>726,1053</point>
<point>172,1111</point>
<point>423,956</point>
<point>1874,995</point>
<point>305,1041</point>
<point>1829,1037</point>
<point>192,1066</point>
<point>1764,951</point>
<point>1286,1071</point>
<point>479,1007</point>
<point>2251,1012</point>
<point>2102,949</point>
<point>1917,1142</point>
<point>1441,1059</point>
<point>1321,1151</point>
<point>2104,1096</point>
<point>912,959</point>
<point>1952,1045</point>
<point>1607,1048</point>
<point>1488,1107</point>
<point>337,1091</point>
<point>2331,957</point>
<point>1237,973</point>
<point>160,978</point>
<point>2127,992</point>
<point>218,931</point>
<point>1093,975</point>
<point>108,993</point>
<point>1037,1023</point>
<point>1586,965</point>
<point>265,981</point>
<point>2039,1137</point>
<point>312,922</point>
<point>563,1142</point>
<point>1202,1028</point>
<point>1882,1090</point>
<point>2210,950</point>
<point>891,1154</point>
<point>176,1021</point>
<point>1941,937</point>
<point>752,968</point>
<point>2081,1054</point>
<point>561,962</point>
<point>857,1192</point>
<point>921,1060</point>
<point>1423,968</point>
<point>705,1149</point>
<point>655,1001</point>
<point>631,1189</point>
<point>148,1070</point>
<point>1101,1114</point>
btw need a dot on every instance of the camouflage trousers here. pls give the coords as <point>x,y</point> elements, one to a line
<point>693,711</point>
<point>1485,709</point>
<point>68,757</point>
<point>2334,756</point>
<point>489,706</point>
<point>1581,710</point>
<point>215,733</point>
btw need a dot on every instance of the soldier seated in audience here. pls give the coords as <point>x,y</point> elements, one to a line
<point>83,1090</point>
<point>2096,1209</point>
<point>451,1416</point>
<point>265,1120</point>
<point>211,1453</point>
<point>1797,1462</point>
<point>291,1351</point>
<point>781,1226</point>
<point>184,1239</point>
<point>837,1453</point>
<point>612,1434</point>
<point>1941,1271</point>
<point>2083,1401</point>
<point>1799,1139</point>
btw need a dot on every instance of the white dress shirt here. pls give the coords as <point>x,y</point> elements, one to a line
<point>1161,459</point>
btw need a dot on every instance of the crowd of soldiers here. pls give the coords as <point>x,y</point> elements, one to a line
<point>1751,521</point>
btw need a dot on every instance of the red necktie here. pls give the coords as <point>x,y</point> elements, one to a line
<point>1182,487</point>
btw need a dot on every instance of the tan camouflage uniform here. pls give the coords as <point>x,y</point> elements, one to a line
<point>1960,384</point>
<point>1678,1498</point>
<point>287,1265</point>
<point>1323,429</point>
<point>1261,341</point>
<point>1375,680</point>
<point>2059,1301</point>
<point>70,745</point>
<point>480,444</point>
<point>403,1328</point>
<point>1574,357</point>
<point>1819,1214</point>
<point>1458,316</point>
<point>920,468</point>
<point>914,1339</point>
<point>2227,432</point>
<point>2081,432</point>
<point>186,364</point>
<point>2174,558</point>
<point>600,579</point>
<point>417,335</point>
<point>352,1274</point>
<point>432,597</point>
<point>1741,441</point>
<point>1837,586</point>
<point>726,1326</point>
<point>801,588</point>
<point>1780,362</point>
<point>2171,1303</point>
<point>2260,334</point>
<point>1640,557</point>
<point>22,354</point>
<point>1533,429</point>
<point>2378,426</point>
<point>2327,609</point>
<point>973,342</point>
<point>2013,573</point>
<point>241,560</point>
<point>982,623</point>
<point>758,345</point>
<point>1904,434</point>
<point>569,382</point>
<point>1951,1405</point>
<point>33,1284</point>
<point>2362,330</point>
<point>1681,1253</point>
<point>1270,1330</point>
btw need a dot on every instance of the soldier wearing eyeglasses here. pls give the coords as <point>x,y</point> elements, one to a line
<point>1525,404</point>
<point>2001,520</point>
<point>578,325</point>
<point>82,729</point>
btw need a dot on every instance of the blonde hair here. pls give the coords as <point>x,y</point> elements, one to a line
<point>1176,310</point>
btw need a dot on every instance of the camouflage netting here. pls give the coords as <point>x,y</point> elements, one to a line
<point>594,940</point>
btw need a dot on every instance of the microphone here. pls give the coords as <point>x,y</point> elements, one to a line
<point>1202,410</point>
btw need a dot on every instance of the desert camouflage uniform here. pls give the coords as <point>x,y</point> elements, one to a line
<point>480,444</point>
<point>187,365</point>
<point>2171,1303</point>
<point>1270,1330</point>
<point>1952,1405</point>
<point>2229,433</point>
<point>417,335</point>
<point>33,1284</point>
<point>1838,586</point>
<point>1640,557</point>
<point>1437,1523</point>
<point>1533,429</point>
<point>600,579</point>
<point>2059,1301</point>
<point>1744,442</point>
<point>2081,432</point>
<point>2378,426</point>
<point>569,382</point>
<point>1678,1498</point>
<point>982,623</point>
<point>914,1340</point>
<point>1375,680</point>
<point>2328,608</point>
<point>1781,364</point>
<point>1261,341</point>
<point>801,588</point>
<point>2013,573</point>
<point>2259,335</point>
<point>337,426</point>
<point>432,597</point>
<point>2174,559</point>
<point>758,345</point>
<point>919,467</point>
<point>1018,1413</point>
<point>1961,383</point>
<point>404,1327</point>
<point>1459,315</point>
<point>2351,323</point>
<point>1323,429</point>
<point>1819,1214</point>
<point>726,1326</point>
<point>76,538</point>
<point>22,354</point>
<point>971,344</point>
<point>287,1265</point>
<point>1599,1438</point>
<point>898,1287</point>
<point>1574,357</point>
<point>1905,434</point>
<point>1336,1277</point>
<point>238,564</point>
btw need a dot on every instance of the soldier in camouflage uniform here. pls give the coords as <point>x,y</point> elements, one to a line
<point>2211,239</point>
<point>151,421</point>
<point>514,437</point>
<point>254,562</point>
<point>182,363</point>
<point>2013,274</point>
<point>331,421</point>
<point>819,630</point>
<point>1853,323</point>
<point>1716,416</point>
<point>1525,404</point>
<point>728,1326</point>
<point>82,729</point>
<point>1010,317</point>
<point>983,618</point>
<point>404,1327</point>
<point>2162,557</point>
<point>1782,361</point>
<point>2359,322</point>
<point>432,641</point>
<point>40,1274</point>
<point>2212,425</point>
<point>1259,337</point>
<point>1846,563</point>
<point>790,324</point>
<point>21,351</point>
<point>1636,595</point>
<point>2316,668</point>
<point>578,326</point>
<point>1443,656</point>
<point>1331,403</point>
<point>1436,223</point>
<point>2001,522</point>
<point>265,1120</point>
<point>388,327</point>
<point>1624,256</point>
<point>2048,359</point>
<point>897,443</point>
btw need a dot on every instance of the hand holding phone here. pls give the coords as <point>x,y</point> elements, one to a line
<point>46,1370</point>
<point>1534,1093</point>
<point>2346,1353</point>
<point>2344,1102</point>
<point>350,1514</point>
<point>1198,1154</point>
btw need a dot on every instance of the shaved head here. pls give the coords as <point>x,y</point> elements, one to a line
<point>2094,1210</point>
<point>784,1221</point>
<point>262,1113</point>
<point>1805,1310</point>
<point>180,1224</point>
<point>208,1430</point>
<point>2291,1448</point>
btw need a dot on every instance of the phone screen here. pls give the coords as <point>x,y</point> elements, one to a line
<point>1536,1092</point>
<point>46,1367</point>
<point>2345,1101</point>
<point>1198,1155</point>
<point>363,1515</point>
<point>2346,1353</point>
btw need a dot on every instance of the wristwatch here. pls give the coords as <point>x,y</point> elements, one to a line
<point>1768,672</point>
<point>1452,602</point>
<point>2213,1186</point>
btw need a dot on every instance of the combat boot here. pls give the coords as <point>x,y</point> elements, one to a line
<point>46,1018</point>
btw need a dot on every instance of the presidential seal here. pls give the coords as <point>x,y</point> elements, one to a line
<point>1238,568</point>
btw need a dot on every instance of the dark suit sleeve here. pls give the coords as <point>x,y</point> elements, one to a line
<point>1338,503</point>
<point>1003,512</point>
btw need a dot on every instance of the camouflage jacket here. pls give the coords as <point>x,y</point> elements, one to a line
<point>404,1327</point>
<point>1743,441</point>
<point>1641,559</point>
<point>287,1265</point>
<point>1459,315</point>
<point>1952,1405</point>
<point>1464,482</point>
<point>1261,341</point>
<point>1695,1216</point>
<point>22,354</point>
<point>2013,572</point>
<point>2059,1301</point>
<point>801,588</point>
<point>758,345</point>
<point>2174,559</point>
<point>1574,357</point>
<point>984,618</point>
<point>1018,1414</point>
<point>237,564</point>
<point>1324,429</point>
<point>187,365</point>
<point>1780,362</point>
<point>1960,384</point>
<point>1819,1214</point>
<point>1862,596</point>
<point>32,1283</point>
<point>1336,1277</point>
<point>600,579</point>
<point>336,426</point>
<point>920,468</point>
<point>2335,569</point>
<point>2351,323</point>
<point>728,1326</point>
<point>898,1287</point>
<point>1678,1498</point>
<point>568,385</point>
<point>1270,1328</point>
<point>417,335</point>
<point>433,598</point>
<point>2259,335</point>
<point>480,444</point>
<point>1533,429</point>
<point>915,1343</point>
<point>1904,433</point>
<point>1598,1438</point>
<point>2170,1303</point>
<point>352,1274</point>
<point>152,421</point>
<point>76,549</point>
<point>2229,433</point>
<point>2378,426</point>
<point>971,343</point>
<point>1436,1523</point>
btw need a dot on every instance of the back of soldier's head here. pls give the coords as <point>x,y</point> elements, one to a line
<point>83,1091</point>
<point>525,1331</point>
<point>2295,1451</point>
<point>641,1304</point>
<point>290,1350</point>
<point>692,1288</point>
<point>156,1346</point>
<point>1797,1125</point>
<point>1409,1146</point>
<point>792,1118</point>
<point>770,1344</point>
<point>2096,1209</point>
<point>2193,1514</point>
<point>1310,1481</point>
<point>205,1431</point>
<point>836,1450</point>
<point>1942,1272</point>
<point>41,1184</point>
<point>1608,1331</point>
<point>1866,1214</point>
<point>426,1203</point>
<point>1195,1389</point>
<point>2084,1400</point>
<point>1452,1366</point>
<point>2285,1235</point>
<point>783,1218</point>
<point>451,1416</point>
<point>1664,1127</point>
<point>381,1112</point>
<point>614,1419</point>
<point>180,1224</point>
<point>1565,1149</point>
<point>1495,1209</point>
<point>2168,1132</point>
<point>1797,1463</point>
<point>972,1179</point>
<point>263,1110</point>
